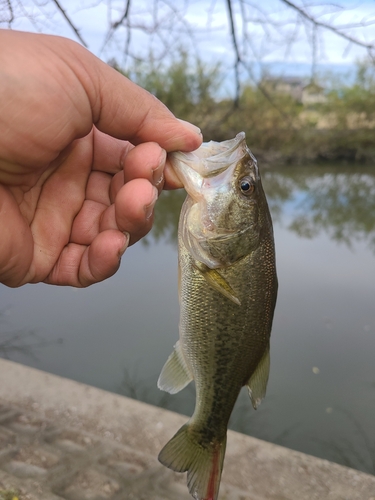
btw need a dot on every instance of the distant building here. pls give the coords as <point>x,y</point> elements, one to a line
<point>297,88</point>
<point>312,93</point>
<point>290,85</point>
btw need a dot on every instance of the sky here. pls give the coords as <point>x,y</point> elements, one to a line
<point>275,33</point>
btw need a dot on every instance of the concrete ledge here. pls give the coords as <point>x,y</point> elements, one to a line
<point>60,439</point>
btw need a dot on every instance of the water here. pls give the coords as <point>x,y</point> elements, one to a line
<point>321,394</point>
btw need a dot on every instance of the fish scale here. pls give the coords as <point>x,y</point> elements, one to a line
<point>228,289</point>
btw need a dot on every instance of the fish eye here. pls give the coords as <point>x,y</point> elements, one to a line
<point>247,185</point>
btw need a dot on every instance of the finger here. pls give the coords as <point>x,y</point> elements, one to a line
<point>171,179</point>
<point>108,152</point>
<point>93,219</point>
<point>59,203</point>
<point>137,116</point>
<point>98,187</point>
<point>86,225</point>
<point>16,242</point>
<point>108,219</point>
<point>81,266</point>
<point>145,161</point>
<point>132,212</point>
<point>134,207</point>
<point>103,257</point>
<point>116,184</point>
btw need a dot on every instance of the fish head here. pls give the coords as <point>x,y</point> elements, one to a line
<point>222,217</point>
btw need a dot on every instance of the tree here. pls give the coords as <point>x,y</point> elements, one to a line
<point>243,30</point>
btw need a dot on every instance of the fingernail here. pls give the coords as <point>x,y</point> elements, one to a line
<point>125,245</point>
<point>190,126</point>
<point>149,208</point>
<point>158,173</point>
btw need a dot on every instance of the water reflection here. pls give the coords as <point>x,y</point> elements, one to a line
<point>22,342</point>
<point>346,451</point>
<point>166,217</point>
<point>339,203</point>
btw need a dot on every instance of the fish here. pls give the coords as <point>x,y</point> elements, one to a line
<point>227,291</point>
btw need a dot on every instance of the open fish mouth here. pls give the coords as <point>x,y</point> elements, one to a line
<point>217,156</point>
<point>194,169</point>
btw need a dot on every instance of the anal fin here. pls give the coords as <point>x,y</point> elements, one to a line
<point>175,374</point>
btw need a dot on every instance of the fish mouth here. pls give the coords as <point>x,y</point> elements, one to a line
<point>217,156</point>
<point>212,158</point>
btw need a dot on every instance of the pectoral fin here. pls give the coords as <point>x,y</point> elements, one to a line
<point>257,383</point>
<point>175,374</point>
<point>217,282</point>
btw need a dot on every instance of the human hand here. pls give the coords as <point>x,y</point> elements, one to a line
<point>73,191</point>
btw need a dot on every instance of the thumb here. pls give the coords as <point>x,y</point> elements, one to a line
<point>124,110</point>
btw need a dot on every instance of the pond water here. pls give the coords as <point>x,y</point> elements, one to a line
<point>321,393</point>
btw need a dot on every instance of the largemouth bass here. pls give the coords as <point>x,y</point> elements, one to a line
<point>228,289</point>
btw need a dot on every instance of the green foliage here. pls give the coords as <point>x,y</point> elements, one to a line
<point>278,127</point>
<point>269,121</point>
<point>9,495</point>
<point>188,88</point>
<point>354,105</point>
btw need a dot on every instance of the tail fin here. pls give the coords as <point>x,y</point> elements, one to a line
<point>203,462</point>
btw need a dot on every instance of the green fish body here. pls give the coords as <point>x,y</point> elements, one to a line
<point>228,289</point>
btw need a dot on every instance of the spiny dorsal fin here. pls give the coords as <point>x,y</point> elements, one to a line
<point>175,374</point>
<point>217,282</point>
<point>257,383</point>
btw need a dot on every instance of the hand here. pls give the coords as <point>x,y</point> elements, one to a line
<point>74,193</point>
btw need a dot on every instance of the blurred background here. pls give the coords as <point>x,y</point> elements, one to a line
<point>299,78</point>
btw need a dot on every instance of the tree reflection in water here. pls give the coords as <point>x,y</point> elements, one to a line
<point>25,342</point>
<point>167,212</point>
<point>339,202</point>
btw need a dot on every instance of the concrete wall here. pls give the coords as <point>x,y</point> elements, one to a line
<point>116,444</point>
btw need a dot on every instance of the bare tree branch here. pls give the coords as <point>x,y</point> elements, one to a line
<point>236,49</point>
<point>256,30</point>
<point>10,7</point>
<point>23,342</point>
<point>124,16</point>
<point>330,27</point>
<point>114,26</point>
<point>70,22</point>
